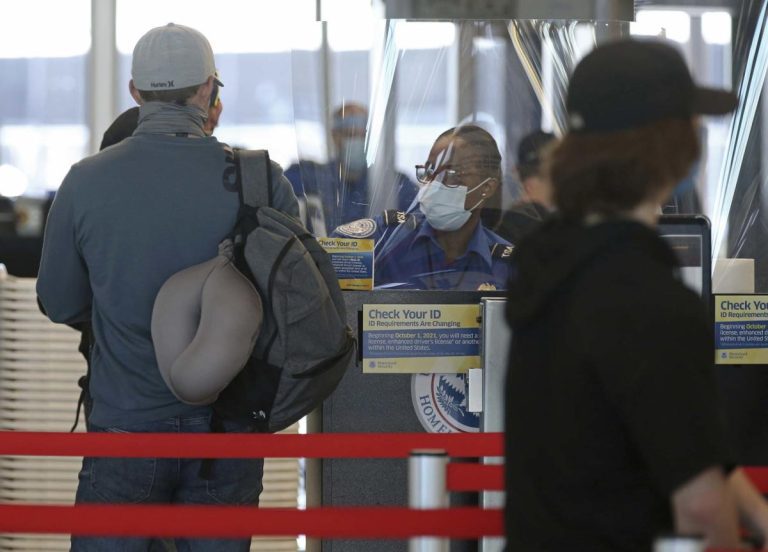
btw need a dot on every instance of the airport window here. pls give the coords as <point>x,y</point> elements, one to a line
<point>704,36</point>
<point>43,128</point>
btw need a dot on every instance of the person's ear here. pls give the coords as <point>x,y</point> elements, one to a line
<point>213,118</point>
<point>490,187</point>
<point>336,139</point>
<point>209,85</point>
<point>528,184</point>
<point>203,95</point>
<point>135,93</point>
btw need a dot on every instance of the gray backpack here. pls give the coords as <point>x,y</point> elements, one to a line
<point>305,345</point>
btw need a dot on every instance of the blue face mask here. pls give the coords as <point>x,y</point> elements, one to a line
<point>353,154</point>
<point>443,206</point>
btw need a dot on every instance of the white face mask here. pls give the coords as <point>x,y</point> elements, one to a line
<point>444,206</point>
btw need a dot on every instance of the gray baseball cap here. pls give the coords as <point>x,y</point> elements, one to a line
<point>172,57</point>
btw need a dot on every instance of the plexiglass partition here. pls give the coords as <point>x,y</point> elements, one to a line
<point>385,110</point>
<point>286,74</point>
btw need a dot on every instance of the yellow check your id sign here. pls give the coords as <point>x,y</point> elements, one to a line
<point>410,339</point>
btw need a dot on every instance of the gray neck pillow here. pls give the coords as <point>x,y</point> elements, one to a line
<point>205,322</point>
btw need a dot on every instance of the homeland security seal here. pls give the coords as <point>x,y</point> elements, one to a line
<point>361,228</point>
<point>440,402</point>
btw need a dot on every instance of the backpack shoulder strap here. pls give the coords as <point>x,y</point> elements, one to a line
<point>254,176</point>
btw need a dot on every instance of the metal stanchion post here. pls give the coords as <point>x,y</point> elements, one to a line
<point>427,489</point>
<point>678,543</point>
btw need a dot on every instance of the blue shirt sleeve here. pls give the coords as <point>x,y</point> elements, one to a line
<point>293,174</point>
<point>63,286</point>
<point>283,196</point>
<point>406,192</point>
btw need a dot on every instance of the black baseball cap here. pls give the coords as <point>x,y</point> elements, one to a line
<point>631,83</point>
<point>121,128</point>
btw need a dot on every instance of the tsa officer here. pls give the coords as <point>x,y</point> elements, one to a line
<point>443,244</point>
<point>342,187</point>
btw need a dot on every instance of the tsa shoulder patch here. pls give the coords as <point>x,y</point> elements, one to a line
<point>361,228</point>
<point>502,251</point>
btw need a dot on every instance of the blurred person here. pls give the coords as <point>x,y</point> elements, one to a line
<point>343,185</point>
<point>8,217</point>
<point>121,128</point>
<point>685,198</point>
<point>536,202</point>
<point>443,244</point>
<point>613,432</point>
<point>537,189</point>
<point>124,221</point>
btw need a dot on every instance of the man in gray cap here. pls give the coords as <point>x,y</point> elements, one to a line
<point>124,221</point>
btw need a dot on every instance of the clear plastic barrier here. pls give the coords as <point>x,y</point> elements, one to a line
<point>387,91</point>
<point>401,84</point>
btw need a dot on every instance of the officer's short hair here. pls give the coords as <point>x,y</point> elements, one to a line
<point>488,157</point>
<point>608,173</point>
<point>481,142</point>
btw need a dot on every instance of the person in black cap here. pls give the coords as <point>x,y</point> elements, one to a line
<point>613,430</point>
<point>536,202</point>
<point>121,128</point>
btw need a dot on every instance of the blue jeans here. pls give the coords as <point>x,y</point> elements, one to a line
<point>167,481</point>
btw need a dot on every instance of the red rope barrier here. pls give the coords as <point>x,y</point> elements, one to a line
<point>490,477</point>
<point>759,477</point>
<point>248,445</point>
<point>475,477</point>
<point>227,521</point>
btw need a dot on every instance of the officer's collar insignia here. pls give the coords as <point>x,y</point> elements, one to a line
<point>486,286</point>
<point>361,228</point>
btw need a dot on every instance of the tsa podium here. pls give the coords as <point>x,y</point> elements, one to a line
<point>399,402</point>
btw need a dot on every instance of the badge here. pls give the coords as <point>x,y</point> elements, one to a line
<point>486,286</point>
<point>358,228</point>
<point>440,402</point>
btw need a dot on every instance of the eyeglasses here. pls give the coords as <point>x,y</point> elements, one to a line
<point>446,175</point>
<point>216,91</point>
<point>215,96</point>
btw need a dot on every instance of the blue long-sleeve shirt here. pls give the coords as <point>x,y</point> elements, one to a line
<point>345,200</point>
<point>123,222</point>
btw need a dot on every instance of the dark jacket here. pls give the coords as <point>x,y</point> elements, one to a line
<point>611,401</point>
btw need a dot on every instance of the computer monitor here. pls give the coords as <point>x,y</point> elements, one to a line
<point>690,237</point>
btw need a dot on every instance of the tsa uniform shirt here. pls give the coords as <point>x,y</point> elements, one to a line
<point>343,201</point>
<point>408,255</point>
